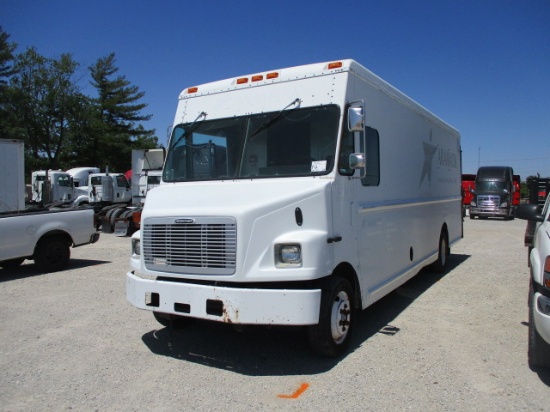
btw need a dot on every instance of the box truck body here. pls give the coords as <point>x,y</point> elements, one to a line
<point>295,197</point>
<point>12,175</point>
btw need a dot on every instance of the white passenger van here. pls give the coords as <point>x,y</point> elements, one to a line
<point>296,197</point>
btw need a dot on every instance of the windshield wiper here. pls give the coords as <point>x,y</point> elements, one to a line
<point>270,122</point>
<point>188,131</point>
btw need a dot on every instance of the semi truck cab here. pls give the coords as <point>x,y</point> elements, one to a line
<point>493,193</point>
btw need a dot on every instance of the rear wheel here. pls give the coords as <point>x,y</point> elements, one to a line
<point>332,335</point>
<point>443,253</point>
<point>538,353</point>
<point>52,254</point>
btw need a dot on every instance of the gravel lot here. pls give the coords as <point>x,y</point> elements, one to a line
<point>457,341</point>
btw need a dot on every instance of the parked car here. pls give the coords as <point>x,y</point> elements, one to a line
<point>537,239</point>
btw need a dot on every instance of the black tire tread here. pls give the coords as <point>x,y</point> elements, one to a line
<point>52,253</point>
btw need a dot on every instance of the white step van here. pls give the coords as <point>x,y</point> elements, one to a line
<point>296,197</point>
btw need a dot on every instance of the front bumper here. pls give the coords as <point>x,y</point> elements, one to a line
<point>496,212</point>
<point>542,316</point>
<point>225,304</point>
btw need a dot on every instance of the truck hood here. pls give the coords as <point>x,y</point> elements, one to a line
<point>232,198</point>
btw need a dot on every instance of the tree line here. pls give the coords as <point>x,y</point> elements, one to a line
<point>42,104</point>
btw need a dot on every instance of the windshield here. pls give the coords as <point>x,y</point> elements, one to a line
<point>490,186</point>
<point>295,142</point>
<point>64,181</point>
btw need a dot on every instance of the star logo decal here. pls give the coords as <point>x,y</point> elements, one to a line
<point>429,153</point>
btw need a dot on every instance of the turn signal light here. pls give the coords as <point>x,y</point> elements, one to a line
<point>136,217</point>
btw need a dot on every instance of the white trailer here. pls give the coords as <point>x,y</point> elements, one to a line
<point>12,175</point>
<point>296,197</point>
<point>146,172</point>
<point>146,175</point>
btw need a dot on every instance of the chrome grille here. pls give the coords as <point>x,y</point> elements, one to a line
<point>199,246</point>
<point>488,201</point>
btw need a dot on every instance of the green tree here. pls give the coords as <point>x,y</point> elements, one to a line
<point>117,127</point>
<point>41,104</point>
<point>6,71</point>
<point>43,100</point>
<point>6,57</point>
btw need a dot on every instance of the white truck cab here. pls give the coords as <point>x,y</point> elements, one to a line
<point>80,175</point>
<point>52,186</point>
<point>296,197</point>
<point>108,188</point>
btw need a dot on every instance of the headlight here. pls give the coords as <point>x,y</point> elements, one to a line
<point>135,246</point>
<point>473,202</point>
<point>288,256</point>
<point>504,204</point>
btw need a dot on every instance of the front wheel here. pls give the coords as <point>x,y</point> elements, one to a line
<point>331,336</point>
<point>538,353</point>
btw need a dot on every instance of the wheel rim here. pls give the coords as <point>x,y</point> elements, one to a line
<point>340,317</point>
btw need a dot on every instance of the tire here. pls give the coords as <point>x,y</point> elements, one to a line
<point>52,254</point>
<point>332,335</point>
<point>171,321</point>
<point>12,263</point>
<point>443,253</point>
<point>115,214</point>
<point>538,352</point>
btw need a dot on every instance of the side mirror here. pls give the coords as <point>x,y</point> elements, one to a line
<point>527,211</point>
<point>357,161</point>
<point>355,119</point>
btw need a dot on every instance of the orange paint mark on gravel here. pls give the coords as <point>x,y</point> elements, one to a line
<point>296,394</point>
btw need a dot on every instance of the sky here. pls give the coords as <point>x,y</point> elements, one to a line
<point>483,66</point>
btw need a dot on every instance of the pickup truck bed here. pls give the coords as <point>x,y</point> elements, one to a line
<point>45,236</point>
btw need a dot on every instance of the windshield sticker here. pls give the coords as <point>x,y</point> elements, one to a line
<point>318,166</point>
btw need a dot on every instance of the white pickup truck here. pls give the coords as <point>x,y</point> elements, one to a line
<point>44,236</point>
<point>537,239</point>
